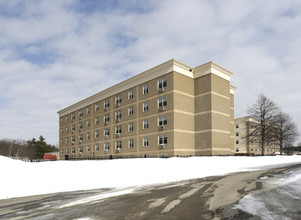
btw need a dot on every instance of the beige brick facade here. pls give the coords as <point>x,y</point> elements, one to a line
<point>170,110</point>
<point>244,143</point>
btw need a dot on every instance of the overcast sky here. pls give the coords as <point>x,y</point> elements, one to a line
<point>55,53</point>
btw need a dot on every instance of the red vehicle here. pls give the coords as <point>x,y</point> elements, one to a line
<point>50,157</point>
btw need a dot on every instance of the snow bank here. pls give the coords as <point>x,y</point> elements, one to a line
<point>23,178</point>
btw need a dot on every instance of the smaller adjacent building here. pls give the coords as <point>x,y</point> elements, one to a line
<point>244,142</point>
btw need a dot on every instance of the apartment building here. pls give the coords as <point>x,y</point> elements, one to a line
<point>244,142</point>
<point>170,110</point>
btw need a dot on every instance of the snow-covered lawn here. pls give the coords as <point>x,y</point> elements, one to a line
<point>23,178</point>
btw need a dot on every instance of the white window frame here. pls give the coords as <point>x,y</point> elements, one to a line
<point>96,107</point>
<point>106,104</point>
<point>88,123</point>
<point>118,144</point>
<point>118,114</point>
<point>131,143</point>
<point>88,148</point>
<point>131,110</point>
<point>96,134</point>
<point>145,124</point>
<point>106,118</point>
<point>162,83</point>
<point>96,121</point>
<point>96,147</point>
<point>162,120</point>
<point>88,110</point>
<point>162,101</point>
<point>118,99</point>
<point>131,127</point>
<point>88,136</point>
<point>163,139</point>
<point>145,142</point>
<point>131,94</point>
<point>118,129</point>
<point>106,146</point>
<point>145,89</point>
<point>107,132</point>
<point>145,106</point>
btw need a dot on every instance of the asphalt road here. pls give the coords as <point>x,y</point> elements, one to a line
<point>207,198</point>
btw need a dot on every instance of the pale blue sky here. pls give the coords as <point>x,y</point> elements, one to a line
<point>55,53</point>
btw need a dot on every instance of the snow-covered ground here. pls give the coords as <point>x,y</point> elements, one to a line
<point>23,178</point>
<point>280,201</point>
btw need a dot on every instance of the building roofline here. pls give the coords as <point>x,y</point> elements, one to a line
<point>157,71</point>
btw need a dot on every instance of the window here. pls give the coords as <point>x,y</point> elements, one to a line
<point>73,150</point>
<point>237,150</point>
<point>162,101</point>
<point>67,129</point>
<point>252,149</point>
<point>67,141</point>
<point>131,127</point>
<point>131,94</point>
<point>107,132</point>
<point>118,130</point>
<point>118,115</point>
<point>80,138</point>
<point>96,121</point>
<point>118,144</point>
<point>66,118</point>
<point>162,121</point>
<point>97,147</point>
<point>88,148</point>
<point>62,120</point>
<point>163,139</point>
<point>145,124</point>
<point>97,134</point>
<point>80,114</point>
<point>107,104</point>
<point>131,110</point>
<point>61,130</point>
<point>88,123</point>
<point>237,134</point>
<point>252,141</point>
<point>73,128</point>
<point>107,118</point>
<point>118,100</point>
<point>88,110</point>
<point>88,136</point>
<point>81,150</point>
<point>96,107</point>
<point>62,152</point>
<point>67,151</point>
<point>80,126</point>
<point>62,142</point>
<point>237,125</point>
<point>73,117</point>
<point>162,83</point>
<point>237,141</point>
<point>145,106</point>
<point>131,143</point>
<point>145,89</point>
<point>145,142</point>
<point>73,139</point>
<point>107,146</point>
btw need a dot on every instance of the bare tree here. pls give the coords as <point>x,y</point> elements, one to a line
<point>286,130</point>
<point>263,111</point>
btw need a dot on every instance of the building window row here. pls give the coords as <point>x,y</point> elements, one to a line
<point>162,140</point>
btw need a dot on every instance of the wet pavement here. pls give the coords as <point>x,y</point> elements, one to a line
<point>206,198</point>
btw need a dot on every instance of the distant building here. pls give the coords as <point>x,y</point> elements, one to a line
<point>172,109</point>
<point>244,142</point>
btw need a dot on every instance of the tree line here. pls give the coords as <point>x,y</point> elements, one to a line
<point>272,125</point>
<point>31,149</point>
